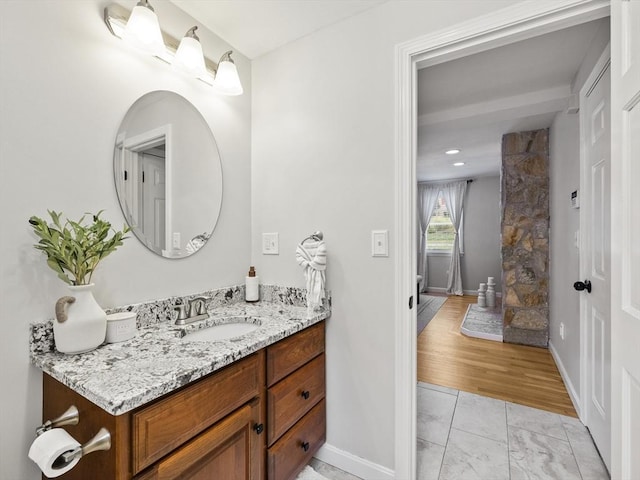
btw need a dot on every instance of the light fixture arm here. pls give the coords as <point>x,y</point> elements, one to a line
<point>191,33</point>
<point>226,57</point>
<point>146,4</point>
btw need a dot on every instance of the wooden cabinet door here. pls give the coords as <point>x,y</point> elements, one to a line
<point>168,423</point>
<point>231,450</point>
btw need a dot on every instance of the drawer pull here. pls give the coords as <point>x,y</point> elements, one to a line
<point>305,446</point>
<point>259,428</point>
<point>305,394</point>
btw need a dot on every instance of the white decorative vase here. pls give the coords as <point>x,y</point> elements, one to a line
<point>482,299</point>
<point>491,292</point>
<point>80,324</point>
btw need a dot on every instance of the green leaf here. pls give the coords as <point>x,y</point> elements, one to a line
<point>74,248</point>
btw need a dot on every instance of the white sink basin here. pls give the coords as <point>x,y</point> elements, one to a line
<point>223,331</point>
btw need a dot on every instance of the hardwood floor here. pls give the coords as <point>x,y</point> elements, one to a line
<point>515,373</point>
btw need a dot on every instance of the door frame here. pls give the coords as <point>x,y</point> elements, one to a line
<point>140,142</point>
<point>508,25</point>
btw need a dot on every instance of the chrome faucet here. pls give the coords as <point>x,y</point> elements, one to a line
<point>191,311</point>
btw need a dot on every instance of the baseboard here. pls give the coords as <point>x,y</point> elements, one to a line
<point>436,290</point>
<point>442,290</point>
<point>352,464</point>
<point>573,395</point>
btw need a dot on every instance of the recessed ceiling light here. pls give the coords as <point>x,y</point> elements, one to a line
<point>458,164</point>
<point>453,151</point>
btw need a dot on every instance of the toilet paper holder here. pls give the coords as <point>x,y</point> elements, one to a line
<point>70,417</point>
<point>101,440</point>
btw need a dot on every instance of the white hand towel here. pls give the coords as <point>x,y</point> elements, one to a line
<point>312,256</point>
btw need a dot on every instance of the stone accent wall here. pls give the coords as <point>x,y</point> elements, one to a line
<point>525,237</point>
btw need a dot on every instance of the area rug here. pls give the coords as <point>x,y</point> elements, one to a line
<point>310,474</point>
<point>427,308</point>
<point>482,322</point>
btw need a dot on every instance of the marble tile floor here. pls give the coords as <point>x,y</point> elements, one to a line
<point>463,436</point>
<point>331,472</point>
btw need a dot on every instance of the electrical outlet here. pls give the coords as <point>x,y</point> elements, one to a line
<point>562,330</point>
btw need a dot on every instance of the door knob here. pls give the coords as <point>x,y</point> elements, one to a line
<point>586,285</point>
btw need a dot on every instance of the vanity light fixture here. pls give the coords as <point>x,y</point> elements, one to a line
<point>189,57</point>
<point>143,30</point>
<point>458,164</point>
<point>223,76</point>
<point>453,151</point>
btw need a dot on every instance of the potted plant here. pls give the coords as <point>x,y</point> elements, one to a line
<point>74,249</point>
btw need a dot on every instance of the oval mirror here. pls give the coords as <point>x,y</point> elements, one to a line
<point>168,174</point>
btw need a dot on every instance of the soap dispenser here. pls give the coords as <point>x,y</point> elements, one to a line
<point>252,286</point>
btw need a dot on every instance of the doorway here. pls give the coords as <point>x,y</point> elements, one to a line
<point>469,38</point>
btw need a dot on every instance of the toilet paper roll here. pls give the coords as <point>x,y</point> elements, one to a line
<point>46,448</point>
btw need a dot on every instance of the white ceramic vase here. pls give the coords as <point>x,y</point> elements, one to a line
<point>491,293</point>
<point>80,324</point>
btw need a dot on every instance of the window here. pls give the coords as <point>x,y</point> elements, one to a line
<point>440,232</point>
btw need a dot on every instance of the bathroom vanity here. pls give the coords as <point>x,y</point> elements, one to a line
<point>246,408</point>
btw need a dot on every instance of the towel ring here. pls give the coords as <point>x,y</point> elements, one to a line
<point>317,236</point>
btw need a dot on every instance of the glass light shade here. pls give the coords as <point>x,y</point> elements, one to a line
<point>143,31</point>
<point>189,57</point>
<point>227,80</point>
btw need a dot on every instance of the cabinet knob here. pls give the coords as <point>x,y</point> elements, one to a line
<point>305,446</point>
<point>259,428</point>
<point>305,394</point>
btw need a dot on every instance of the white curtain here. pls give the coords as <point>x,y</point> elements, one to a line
<point>427,198</point>
<point>453,194</point>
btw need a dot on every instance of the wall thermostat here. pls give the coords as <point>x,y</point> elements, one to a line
<point>575,199</point>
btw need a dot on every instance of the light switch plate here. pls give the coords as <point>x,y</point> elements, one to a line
<point>380,243</point>
<point>270,244</point>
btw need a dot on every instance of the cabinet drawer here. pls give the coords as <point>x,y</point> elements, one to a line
<point>292,397</point>
<point>294,450</point>
<point>168,423</point>
<point>291,353</point>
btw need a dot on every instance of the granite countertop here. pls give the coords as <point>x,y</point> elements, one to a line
<point>120,377</point>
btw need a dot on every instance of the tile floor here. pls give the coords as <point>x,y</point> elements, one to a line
<point>331,472</point>
<point>463,436</point>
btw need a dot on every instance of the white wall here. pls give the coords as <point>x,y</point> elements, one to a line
<point>323,158</point>
<point>481,257</point>
<point>65,86</point>
<point>482,244</point>
<point>564,262</point>
<point>564,268</point>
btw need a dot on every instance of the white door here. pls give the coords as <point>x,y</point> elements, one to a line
<point>596,255</point>
<point>625,238</point>
<point>152,206</point>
